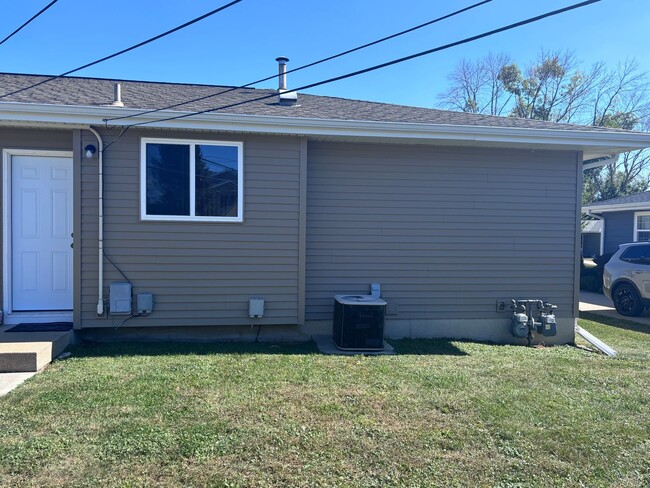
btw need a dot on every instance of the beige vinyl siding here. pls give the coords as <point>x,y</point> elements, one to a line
<point>201,273</point>
<point>44,140</point>
<point>446,231</point>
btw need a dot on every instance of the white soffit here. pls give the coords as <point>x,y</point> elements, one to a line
<point>593,143</point>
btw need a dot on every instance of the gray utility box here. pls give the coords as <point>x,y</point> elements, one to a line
<point>144,303</point>
<point>120,299</point>
<point>359,322</point>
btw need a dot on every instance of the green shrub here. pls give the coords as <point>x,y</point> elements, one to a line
<point>591,279</point>
<point>601,261</point>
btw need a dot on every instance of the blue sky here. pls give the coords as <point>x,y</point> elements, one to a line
<point>240,44</point>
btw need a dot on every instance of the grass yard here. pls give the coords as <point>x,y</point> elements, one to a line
<point>439,414</point>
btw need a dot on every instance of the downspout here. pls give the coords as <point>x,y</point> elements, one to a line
<point>100,270</point>
<point>602,232</point>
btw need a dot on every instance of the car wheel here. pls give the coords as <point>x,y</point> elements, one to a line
<point>627,300</point>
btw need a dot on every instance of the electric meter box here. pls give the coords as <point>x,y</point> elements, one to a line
<point>120,298</point>
<point>256,308</point>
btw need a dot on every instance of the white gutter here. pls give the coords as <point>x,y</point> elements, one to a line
<point>602,232</point>
<point>617,206</point>
<point>100,247</point>
<point>594,143</point>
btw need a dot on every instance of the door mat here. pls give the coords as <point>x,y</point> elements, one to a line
<point>44,327</point>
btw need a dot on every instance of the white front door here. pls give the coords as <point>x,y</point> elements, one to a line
<point>41,233</point>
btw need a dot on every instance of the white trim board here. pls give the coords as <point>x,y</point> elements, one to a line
<point>594,143</point>
<point>617,207</point>
<point>6,234</point>
<point>37,317</point>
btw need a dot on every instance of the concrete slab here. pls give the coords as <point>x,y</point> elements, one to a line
<point>9,381</point>
<point>594,301</point>
<point>326,345</point>
<point>22,352</point>
<point>600,305</point>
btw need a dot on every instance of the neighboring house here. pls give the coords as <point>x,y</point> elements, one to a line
<point>592,232</point>
<point>625,219</point>
<point>291,201</point>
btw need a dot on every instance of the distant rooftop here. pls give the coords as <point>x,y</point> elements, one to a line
<point>592,226</point>
<point>632,201</point>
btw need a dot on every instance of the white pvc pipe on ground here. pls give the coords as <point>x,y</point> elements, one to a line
<point>592,339</point>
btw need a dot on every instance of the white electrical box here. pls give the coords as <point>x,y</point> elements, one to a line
<point>256,308</point>
<point>375,290</point>
<point>120,298</point>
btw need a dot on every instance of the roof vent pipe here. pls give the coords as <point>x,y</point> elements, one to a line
<point>282,72</point>
<point>286,97</point>
<point>117,95</point>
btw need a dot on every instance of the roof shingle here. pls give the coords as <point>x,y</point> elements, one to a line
<point>640,198</point>
<point>152,95</point>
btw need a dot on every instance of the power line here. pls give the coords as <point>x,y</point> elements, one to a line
<point>123,51</point>
<point>379,66</point>
<point>28,22</point>
<point>329,58</point>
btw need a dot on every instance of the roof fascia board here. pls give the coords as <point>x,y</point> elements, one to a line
<point>90,115</point>
<point>617,207</point>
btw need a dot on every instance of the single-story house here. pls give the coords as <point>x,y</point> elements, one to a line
<point>292,199</point>
<point>623,219</point>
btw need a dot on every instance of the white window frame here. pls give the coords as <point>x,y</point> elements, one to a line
<point>636,225</point>
<point>192,217</point>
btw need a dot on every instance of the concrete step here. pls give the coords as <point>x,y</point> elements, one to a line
<point>22,352</point>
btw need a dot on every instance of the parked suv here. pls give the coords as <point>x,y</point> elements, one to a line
<point>626,278</point>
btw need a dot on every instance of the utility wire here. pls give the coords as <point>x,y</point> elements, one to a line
<point>123,51</point>
<point>329,58</point>
<point>379,66</point>
<point>28,22</point>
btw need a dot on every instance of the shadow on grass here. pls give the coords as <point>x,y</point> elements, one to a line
<point>614,322</point>
<point>117,349</point>
<point>426,347</point>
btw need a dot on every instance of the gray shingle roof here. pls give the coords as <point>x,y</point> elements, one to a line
<point>589,226</point>
<point>151,95</point>
<point>640,198</point>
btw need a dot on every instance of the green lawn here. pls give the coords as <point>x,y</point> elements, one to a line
<point>439,414</point>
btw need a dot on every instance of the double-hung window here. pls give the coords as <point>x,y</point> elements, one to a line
<point>641,226</point>
<point>186,180</point>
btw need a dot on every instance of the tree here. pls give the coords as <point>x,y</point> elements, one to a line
<point>552,89</point>
<point>629,174</point>
<point>555,88</point>
<point>476,87</point>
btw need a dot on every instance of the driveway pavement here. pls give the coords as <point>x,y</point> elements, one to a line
<point>600,305</point>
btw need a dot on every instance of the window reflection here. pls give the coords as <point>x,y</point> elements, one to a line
<point>216,181</point>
